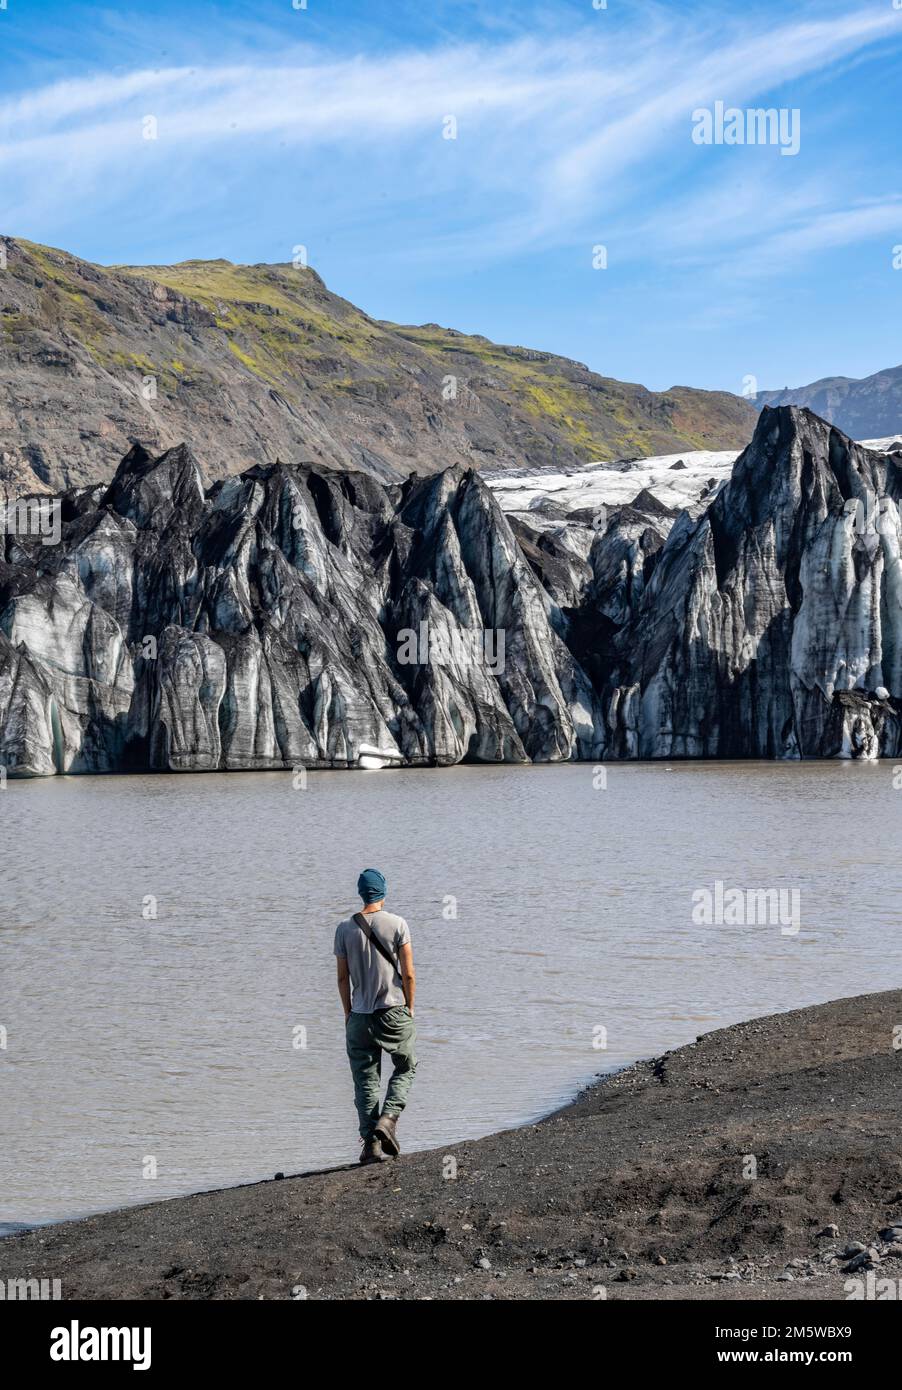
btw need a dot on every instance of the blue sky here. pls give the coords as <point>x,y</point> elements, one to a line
<point>324,127</point>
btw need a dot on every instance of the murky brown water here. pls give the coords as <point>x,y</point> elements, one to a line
<point>174,1038</point>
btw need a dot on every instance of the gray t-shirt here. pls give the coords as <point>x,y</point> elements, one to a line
<point>376,985</point>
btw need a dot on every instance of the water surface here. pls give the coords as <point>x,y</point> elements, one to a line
<point>129,1038</point>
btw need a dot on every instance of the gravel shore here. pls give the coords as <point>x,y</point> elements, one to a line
<point>759,1162</point>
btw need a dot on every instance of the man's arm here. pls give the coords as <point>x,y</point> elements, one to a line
<point>408,978</point>
<point>344,984</point>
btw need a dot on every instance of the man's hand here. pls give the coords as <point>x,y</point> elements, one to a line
<point>408,978</point>
<point>344,985</point>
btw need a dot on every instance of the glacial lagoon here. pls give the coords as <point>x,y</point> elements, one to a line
<point>168,992</point>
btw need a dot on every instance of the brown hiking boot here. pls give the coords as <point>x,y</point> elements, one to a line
<point>372,1150</point>
<point>385,1132</point>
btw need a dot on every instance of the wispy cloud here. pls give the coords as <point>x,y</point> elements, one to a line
<point>688,69</point>
<point>577,133</point>
<point>825,231</point>
<point>564,128</point>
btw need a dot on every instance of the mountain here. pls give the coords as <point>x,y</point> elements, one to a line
<point>865,408</point>
<point>291,616</point>
<point>251,364</point>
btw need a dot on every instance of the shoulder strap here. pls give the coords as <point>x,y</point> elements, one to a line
<point>371,936</point>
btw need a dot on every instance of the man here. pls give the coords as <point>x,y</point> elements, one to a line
<point>375,958</point>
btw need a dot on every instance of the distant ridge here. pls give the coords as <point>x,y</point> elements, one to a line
<point>250,364</point>
<point>869,407</point>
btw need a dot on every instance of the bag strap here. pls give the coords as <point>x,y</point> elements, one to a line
<point>371,936</point>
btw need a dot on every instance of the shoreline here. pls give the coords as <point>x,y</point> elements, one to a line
<point>11,1227</point>
<point>709,1172</point>
<point>425,765</point>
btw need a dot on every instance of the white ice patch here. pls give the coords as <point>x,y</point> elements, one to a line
<point>883,446</point>
<point>596,485</point>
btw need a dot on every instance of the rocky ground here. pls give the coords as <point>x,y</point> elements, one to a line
<point>762,1161</point>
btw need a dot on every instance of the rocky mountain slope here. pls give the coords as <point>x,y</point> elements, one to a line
<point>289,615</point>
<point>866,408</point>
<point>250,364</point>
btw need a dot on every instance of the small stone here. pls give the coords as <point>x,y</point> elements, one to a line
<point>660,1259</point>
<point>830,1232</point>
<point>278,1177</point>
<point>854,1247</point>
<point>626,1274</point>
<point>891,1233</point>
<point>785,1277</point>
<point>485,1263</point>
<point>867,1259</point>
<point>298,1291</point>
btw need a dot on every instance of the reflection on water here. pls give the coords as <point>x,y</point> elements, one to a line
<point>210,1039</point>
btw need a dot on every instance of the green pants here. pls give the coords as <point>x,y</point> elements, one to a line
<point>367,1036</point>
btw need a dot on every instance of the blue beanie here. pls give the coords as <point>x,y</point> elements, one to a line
<point>371,886</point>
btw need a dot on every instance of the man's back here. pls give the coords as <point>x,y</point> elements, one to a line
<point>376,983</point>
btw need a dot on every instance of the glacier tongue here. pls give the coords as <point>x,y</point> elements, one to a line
<point>269,622</point>
<point>676,480</point>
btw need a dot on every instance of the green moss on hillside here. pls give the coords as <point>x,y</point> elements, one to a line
<point>282,327</point>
